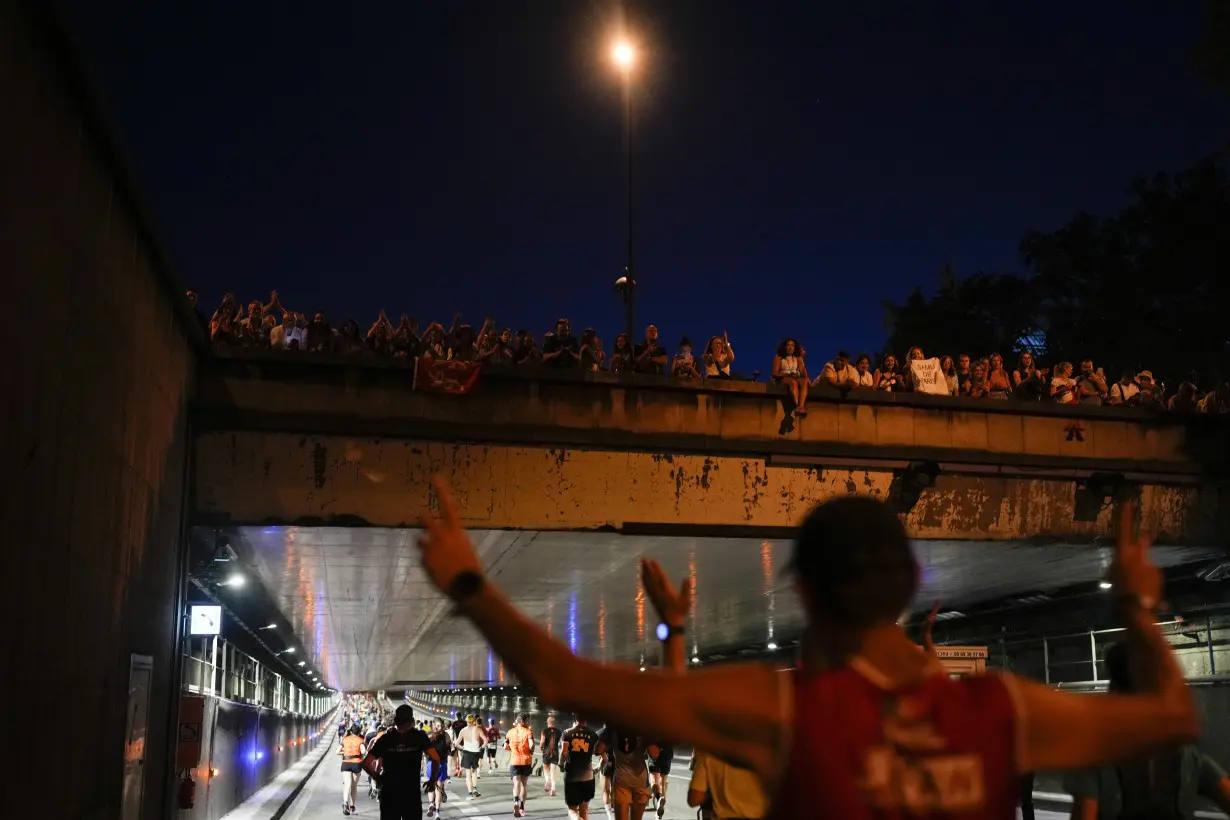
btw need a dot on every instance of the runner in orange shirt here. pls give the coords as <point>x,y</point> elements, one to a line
<point>520,744</point>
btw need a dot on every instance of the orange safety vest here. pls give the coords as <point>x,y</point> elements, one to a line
<point>352,749</point>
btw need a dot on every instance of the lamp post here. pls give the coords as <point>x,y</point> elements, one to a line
<point>625,56</point>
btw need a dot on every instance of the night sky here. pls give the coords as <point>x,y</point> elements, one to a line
<point>797,161</point>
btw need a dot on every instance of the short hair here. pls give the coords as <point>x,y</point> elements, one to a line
<point>524,717</point>
<point>843,354</point>
<point>853,556</point>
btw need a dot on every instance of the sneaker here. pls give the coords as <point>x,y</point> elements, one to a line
<point>345,810</point>
<point>553,791</point>
<point>661,808</point>
<point>431,811</point>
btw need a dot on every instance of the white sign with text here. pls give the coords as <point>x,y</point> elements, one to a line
<point>928,378</point>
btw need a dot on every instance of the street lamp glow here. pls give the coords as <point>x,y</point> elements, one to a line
<point>623,54</point>
<point>236,580</point>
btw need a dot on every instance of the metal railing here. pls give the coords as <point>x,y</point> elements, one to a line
<point>216,668</point>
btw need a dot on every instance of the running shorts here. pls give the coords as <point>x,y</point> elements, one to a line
<point>521,771</point>
<point>437,771</point>
<point>352,767</point>
<point>469,760</point>
<point>491,752</point>
<point>662,766</point>
<point>578,793</point>
<point>635,796</point>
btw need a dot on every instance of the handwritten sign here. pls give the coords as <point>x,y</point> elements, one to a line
<point>928,378</point>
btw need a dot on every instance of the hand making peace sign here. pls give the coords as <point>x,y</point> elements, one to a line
<point>1132,574</point>
<point>672,608</point>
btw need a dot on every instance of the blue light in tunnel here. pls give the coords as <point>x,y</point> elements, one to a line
<point>490,665</point>
<point>572,621</point>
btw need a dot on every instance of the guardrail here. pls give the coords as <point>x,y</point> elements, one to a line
<point>216,668</point>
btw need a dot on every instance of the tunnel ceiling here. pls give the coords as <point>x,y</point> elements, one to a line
<point>367,616</point>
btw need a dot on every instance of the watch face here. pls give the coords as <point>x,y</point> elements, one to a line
<point>664,632</point>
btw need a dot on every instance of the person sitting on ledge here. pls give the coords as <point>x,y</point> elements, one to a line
<point>838,373</point>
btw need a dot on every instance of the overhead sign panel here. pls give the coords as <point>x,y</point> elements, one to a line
<point>205,620</point>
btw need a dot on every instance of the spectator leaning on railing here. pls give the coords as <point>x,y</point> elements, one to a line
<point>273,326</point>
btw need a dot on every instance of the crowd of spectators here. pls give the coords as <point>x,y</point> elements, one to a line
<point>274,326</point>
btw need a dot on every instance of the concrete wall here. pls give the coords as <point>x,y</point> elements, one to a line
<point>549,407</point>
<point>248,746</point>
<point>266,477</point>
<point>93,432</point>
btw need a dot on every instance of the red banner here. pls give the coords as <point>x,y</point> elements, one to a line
<point>456,378</point>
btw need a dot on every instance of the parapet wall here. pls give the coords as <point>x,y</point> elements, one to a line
<point>539,406</point>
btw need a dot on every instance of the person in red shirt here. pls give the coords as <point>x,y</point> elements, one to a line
<point>493,743</point>
<point>900,739</point>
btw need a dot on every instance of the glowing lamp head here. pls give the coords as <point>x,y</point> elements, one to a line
<point>623,54</point>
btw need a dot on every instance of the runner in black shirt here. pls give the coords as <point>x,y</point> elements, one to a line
<point>400,752</point>
<point>549,743</point>
<point>579,746</point>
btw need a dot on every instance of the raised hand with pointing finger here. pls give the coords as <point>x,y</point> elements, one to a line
<point>447,555</point>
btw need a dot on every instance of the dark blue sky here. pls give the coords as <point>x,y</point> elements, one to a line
<point>797,161</point>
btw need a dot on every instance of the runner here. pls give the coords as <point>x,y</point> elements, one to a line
<point>630,780</point>
<point>437,767</point>
<point>493,743</point>
<point>454,730</point>
<point>351,751</point>
<point>608,773</point>
<point>368,740</point>
<point>373,787</point>
<point>549,743</point>
<point>863,685</point>
<point>471,741</point>
<point>659,774</point>
<point>520,744</point>
<point>578,748</point>
<point>394,761</point>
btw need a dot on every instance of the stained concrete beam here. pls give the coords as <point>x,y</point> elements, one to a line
<point>267,477</point>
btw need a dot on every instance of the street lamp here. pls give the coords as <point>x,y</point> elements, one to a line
<point>624,56</point>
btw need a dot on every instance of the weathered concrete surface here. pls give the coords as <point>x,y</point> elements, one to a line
<point>256,477</point>
<point>373,399</point>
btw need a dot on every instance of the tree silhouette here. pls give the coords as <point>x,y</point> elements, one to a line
<point>979,314</point>
<point>1136,289</point>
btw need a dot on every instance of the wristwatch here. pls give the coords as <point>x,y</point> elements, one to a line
<point>666,631</point>
<point>465,586</point>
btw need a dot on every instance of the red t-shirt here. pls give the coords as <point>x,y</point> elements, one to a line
<point>943,750</point>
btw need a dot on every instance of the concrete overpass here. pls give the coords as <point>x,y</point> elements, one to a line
<point>316,470</point>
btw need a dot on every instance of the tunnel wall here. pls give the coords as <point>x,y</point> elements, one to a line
<point>93,432</point>
<point>232,734</point>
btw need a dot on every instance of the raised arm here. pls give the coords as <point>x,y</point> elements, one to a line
<point>672,607</point>
<point>1067,731</point>
<point>736,711</point>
